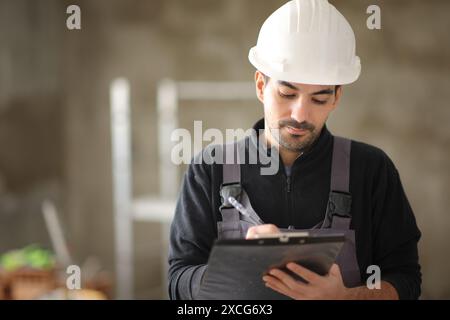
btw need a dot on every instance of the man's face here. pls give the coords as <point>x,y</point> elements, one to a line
<point>299,111</point>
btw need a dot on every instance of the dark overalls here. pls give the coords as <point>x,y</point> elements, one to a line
<point>337,217</point>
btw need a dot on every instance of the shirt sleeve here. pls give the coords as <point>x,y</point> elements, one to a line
<point>192,233</point>
<point>395,234</point>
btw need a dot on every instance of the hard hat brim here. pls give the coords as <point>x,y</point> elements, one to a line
<point>338,76</point>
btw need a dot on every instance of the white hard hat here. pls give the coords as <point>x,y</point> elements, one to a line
<point>307,41</point>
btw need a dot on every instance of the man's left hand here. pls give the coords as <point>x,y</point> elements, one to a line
<point>330,286</point>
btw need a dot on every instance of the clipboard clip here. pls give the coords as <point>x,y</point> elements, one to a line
<point>283,237</point>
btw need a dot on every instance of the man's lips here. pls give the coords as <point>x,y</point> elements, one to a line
<point>296,131</point>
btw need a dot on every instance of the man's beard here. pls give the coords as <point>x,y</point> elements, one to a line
<point>294,142</point>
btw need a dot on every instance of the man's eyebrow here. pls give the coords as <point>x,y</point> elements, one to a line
<point>326,91</point>
<point>290,85</point>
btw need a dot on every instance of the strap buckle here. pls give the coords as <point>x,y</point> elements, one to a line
<point>339,205</point>
<point>227,190</point>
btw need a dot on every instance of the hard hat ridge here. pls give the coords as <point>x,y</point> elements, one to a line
<point>307,41</point>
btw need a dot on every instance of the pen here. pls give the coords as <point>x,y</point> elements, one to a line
<point>239,207</point>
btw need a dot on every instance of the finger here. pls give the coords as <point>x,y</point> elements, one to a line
<point>261,229</point>
<point>251,232</point>
<point>306,274</point>
<point>277,285</point>
<point>281,288</point>
<point>335,270</point>
<point>275,282</point>
<point>286,279</point>
<point>278,289</point>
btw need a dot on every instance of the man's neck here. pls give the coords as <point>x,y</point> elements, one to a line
<point>287,156</point>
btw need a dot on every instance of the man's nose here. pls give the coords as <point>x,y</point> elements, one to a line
<point>300,110</point>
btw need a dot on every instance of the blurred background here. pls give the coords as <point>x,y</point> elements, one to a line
<point>56,125</point>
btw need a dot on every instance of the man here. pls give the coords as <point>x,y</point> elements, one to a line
<point>304,55</point>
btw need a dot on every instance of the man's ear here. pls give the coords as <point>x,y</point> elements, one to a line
<point>260,85</point>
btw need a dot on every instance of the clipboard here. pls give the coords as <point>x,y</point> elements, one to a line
<point>236,267</point>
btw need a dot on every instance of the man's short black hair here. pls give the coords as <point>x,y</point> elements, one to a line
<point>267,78</point>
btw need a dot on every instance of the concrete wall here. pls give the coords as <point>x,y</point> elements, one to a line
<point>400,104</point>
<point>31,105</point>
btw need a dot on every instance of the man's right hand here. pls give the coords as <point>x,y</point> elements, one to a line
<point>255,231</point>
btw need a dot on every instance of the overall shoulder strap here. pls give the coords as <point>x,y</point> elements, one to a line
<point>340,166</point>
<point>231,186</point>
<point>339,201</point>
<point>231,166</point>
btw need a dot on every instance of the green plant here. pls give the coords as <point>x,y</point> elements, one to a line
<point>32,256</point>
